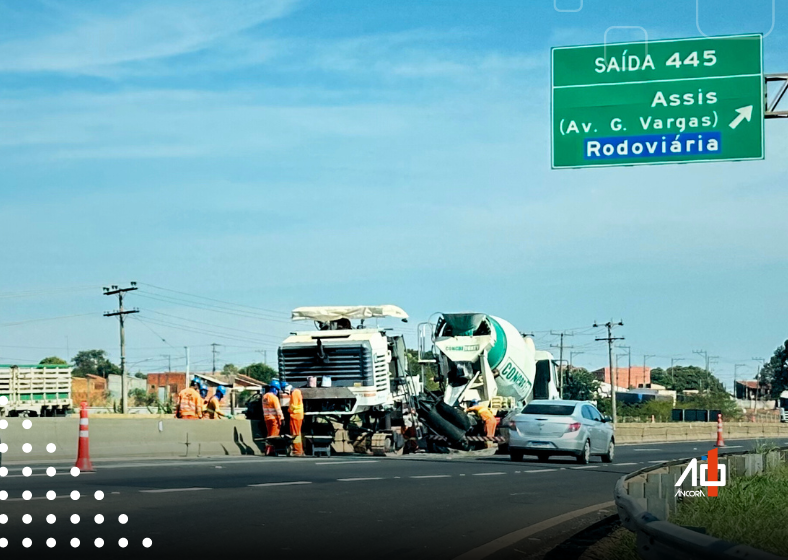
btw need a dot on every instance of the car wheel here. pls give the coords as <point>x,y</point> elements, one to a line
<point>543,457</point>
<point>585,455</point>
<point>516,455</point>
<point>611,453</point>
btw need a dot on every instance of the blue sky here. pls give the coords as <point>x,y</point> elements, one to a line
<point>278,153</point>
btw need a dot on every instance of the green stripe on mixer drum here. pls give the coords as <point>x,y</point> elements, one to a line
<point>498,351</point>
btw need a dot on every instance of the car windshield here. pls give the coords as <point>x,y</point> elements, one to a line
<point>549,409</point>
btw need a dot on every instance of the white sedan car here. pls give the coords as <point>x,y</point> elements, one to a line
<point>575,428</point>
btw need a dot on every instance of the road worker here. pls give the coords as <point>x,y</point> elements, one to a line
<point>487,417</point>
<point>189,405</point>
<point>296,410</point>
<point>212,408</point>
<point>272,413</point>
<point>203,400</point>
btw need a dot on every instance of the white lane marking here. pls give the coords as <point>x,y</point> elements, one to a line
<point>733,446</point>
<point>279,483</point>
<point>508,540</point>
<point>585,467</point>
<point>163,490</point>
<point>344,462</point>
<point>625,464</point>
<point>488,473</point>
<point>542,470</point>
<point>432,476</point>
<point>648,449</point>
<point>357,479</point>
<point>661,461</point>
<point>44,474</point>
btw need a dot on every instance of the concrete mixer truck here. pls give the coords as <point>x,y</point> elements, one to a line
<point>481,358</point>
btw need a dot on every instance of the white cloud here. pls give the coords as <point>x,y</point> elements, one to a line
<point>140,31</point>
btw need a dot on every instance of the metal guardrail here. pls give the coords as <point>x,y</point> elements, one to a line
<point>660,540</point>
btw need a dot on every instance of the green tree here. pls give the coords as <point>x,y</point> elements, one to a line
<point>430,370</point>
<point>682,378</point>
<point>229,369</point>
<point>93,362</point>
<point>140,397</point>
<point>54,360</point>
<point>775,371</point>
<point>581,385</point>
<point>261,372</point>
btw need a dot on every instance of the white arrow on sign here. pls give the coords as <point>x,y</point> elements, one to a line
<point>744,113</point>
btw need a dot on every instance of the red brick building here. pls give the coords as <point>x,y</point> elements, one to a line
<point>167,384</point>
<point>638,375</point>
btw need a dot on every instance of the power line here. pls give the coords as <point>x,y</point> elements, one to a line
<point>274,311</point>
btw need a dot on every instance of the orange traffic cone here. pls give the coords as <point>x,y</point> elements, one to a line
<point>83,449</point>
<point>720,441</point>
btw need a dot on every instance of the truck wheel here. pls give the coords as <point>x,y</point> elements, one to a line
<point>585,455</point>
<point>611,453</point>
<point>516,455</point>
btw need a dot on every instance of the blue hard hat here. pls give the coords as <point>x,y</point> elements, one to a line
<point>273,390</point>
<point>203,391</point>
<point>220,391</point>
<point>196,381</point>
<point>275,384</point>
<point>474,402</point>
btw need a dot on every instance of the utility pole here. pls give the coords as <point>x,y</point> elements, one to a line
<point>736,376</point>
<point>758,374</point>
<point>213,349</point>
<point>120,314</point>
<point>629,364</point>
<point>705,355</point>
<point>572,355</point>
<point>169,362</point>
<point>265,356</point>
<point>562,334</point>
<point>610,339</point>
<point>646,357</point>
<point>187,364</point>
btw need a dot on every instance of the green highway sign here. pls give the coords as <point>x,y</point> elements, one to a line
<point>676,101</point>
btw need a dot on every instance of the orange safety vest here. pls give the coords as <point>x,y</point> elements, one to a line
<point>212,407</point>
<point>189,404</point>
<point>483,411</point>
<point>271,408</point>
<point>296,405</point>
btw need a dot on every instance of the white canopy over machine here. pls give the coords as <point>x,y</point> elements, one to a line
<point>334,313</point>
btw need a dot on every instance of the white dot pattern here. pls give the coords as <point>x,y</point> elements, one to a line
<point>51,495</point>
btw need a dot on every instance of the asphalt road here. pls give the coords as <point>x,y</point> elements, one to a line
<point>424,506</point>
